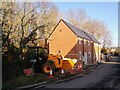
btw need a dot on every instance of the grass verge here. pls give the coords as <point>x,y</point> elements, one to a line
<point>38,78</point>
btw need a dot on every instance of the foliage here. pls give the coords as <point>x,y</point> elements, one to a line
<point>103,50</point>
<point>22,25</point>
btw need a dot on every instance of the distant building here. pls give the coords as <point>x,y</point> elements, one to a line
<point>113,50</point>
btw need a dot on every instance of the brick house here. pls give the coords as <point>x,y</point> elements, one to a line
<point>73,42</point>
<point>95,48</point>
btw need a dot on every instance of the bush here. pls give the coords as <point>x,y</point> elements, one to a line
<point>103,50</point>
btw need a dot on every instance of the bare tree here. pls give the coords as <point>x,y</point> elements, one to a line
<point>49,15</point>
<point>77,17</point>
<point>100,31</point>
<point>96,28</point>
<point>106,39</point>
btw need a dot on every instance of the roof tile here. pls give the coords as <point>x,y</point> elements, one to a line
<point>81,33</point>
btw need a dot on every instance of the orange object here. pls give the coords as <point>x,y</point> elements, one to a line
<point>71,71</point>
<point>79,66</point>
<point>51,76</point>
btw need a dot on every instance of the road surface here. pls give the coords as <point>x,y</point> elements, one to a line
<point>103,76</point>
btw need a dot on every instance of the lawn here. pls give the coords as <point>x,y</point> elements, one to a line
<point>38,78</point>
<point>24,80</point>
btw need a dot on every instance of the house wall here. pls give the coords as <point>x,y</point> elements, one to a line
<point>90,58</point>
<point>97,52</point>
<point>77,51</point>
<point>80,49</point>
<point>88,51</point>
<point>92,52</point>
<point>63,40</point>
<point>73,53</point>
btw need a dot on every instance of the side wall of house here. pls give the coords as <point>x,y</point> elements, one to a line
<point>73,53</point>
<point>88,51</point>
<point>92,52</point>
<point>97,52</point>
<point>80,50</point>
<point>89,47</point>
<point>62,39</point>
<point>77,51</point>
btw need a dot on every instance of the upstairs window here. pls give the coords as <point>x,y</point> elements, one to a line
<point>84,41</point>
<point>80,56</point>
<point>89,55</point>
<point>88,43</point>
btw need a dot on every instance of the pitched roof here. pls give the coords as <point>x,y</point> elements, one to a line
<point>92,38</point>
<point>77,31</point>
<point>81,33</point>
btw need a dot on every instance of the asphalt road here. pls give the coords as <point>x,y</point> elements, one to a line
<point>104,76</point>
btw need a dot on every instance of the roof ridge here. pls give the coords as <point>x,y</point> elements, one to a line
<point>72,24</point>
<point>86,33</point>
<point>86,37</point>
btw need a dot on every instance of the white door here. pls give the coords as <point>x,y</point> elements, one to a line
<point>96,57</point>
<point>85,58</point>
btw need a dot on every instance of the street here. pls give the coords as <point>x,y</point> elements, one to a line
<point>105,75</point>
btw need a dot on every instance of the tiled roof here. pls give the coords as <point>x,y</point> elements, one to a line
<point>81,33</point>
<point>92,37</point>
<point>77,31</point>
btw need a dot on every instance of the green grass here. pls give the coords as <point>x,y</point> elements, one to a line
<point>28,80</point>
<point>37,78</point>
<point>24,80</point>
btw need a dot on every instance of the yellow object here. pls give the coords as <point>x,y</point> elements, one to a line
<point>68,63</point>
<point>53,62</point>
<point>59,62</point>
<point>56,59</point>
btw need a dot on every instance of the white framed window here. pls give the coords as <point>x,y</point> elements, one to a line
<point>91,42</point>
<point>89,55</point>
<point>88,43</point>
<point>84,41</point>
<point>85,58</point>
<point>80,56</point>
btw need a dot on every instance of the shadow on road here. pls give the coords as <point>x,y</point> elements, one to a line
<point>115,60</point>
<point>112,80</point>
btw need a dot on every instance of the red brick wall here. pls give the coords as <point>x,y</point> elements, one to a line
<point>74,53</point>
<point>89,53</point>
<point>62,39</point>
<point>88,50</point>
<point>93,52</point>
